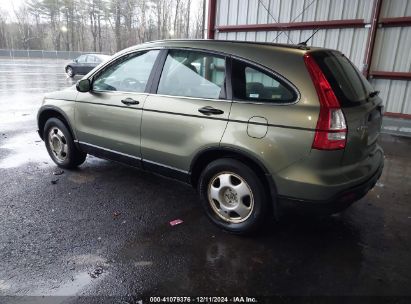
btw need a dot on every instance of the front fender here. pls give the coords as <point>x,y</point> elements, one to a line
<point>63,110</point>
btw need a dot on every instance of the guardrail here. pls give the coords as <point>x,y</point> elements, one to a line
<point>41,54</point>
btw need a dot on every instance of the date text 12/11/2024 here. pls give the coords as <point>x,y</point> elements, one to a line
<point>239,299</point>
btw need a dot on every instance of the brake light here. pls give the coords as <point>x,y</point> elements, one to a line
<point>331,130</point>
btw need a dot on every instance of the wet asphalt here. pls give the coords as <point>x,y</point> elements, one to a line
<point>103,229</point>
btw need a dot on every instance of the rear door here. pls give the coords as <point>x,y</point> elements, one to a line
<point>188,112</point>
<point>361,105</point>
<point>109,116</point>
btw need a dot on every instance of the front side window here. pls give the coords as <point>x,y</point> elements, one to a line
<point>193,74</point>
<point>129,74</point>
<point>81,59</point>
<point>253,84</point>
<point>90,59</point>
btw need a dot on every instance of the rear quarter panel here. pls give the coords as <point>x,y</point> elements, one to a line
<point>290,133</point>
<point>291,127</point>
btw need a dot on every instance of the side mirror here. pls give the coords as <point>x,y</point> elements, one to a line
<point>75,60</point>
<point>83,85</point>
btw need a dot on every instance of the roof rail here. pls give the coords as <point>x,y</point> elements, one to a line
<point>292,46</point>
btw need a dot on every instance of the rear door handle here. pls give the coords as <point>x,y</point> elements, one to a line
<point>210,111</point>
<point>130,101</point>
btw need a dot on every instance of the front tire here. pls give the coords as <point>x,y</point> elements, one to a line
<point>70,72</point>
<point>60,145</point>
<point>233,196</point>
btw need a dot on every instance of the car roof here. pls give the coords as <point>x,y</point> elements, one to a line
<point>230,46</point>
<point>101,56</point>
<point>245,49</point>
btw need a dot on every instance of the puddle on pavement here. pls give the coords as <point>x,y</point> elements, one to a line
<point>69,288</point>
<point>79,281</point>
<point>72,287</point>
<point>23,149</point>
<point>91,269</point>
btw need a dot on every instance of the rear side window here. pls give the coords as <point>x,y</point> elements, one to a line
<point>193,74</point>
<point>349,85</point>
<point>254,84</point>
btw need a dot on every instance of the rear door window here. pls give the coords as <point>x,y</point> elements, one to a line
<point>350,86</point>
<point>252,83</point>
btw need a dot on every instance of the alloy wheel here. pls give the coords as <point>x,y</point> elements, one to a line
<point>230,197</point>
<point>58,144</point>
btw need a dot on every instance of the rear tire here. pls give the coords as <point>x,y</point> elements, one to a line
<point>233,196</point>
<point>60,145</point>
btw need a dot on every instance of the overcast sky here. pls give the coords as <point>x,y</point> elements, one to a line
<point>7,5</point>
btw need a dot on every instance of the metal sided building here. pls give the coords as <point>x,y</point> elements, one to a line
<point>374,34</point>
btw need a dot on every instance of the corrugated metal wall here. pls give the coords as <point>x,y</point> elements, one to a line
<point>392,53</point>
<point>392,46</point>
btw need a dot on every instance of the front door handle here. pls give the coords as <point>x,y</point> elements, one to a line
<point>130,101</point>
<point>210,111</point>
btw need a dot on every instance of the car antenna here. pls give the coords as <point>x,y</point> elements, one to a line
<point>305,42</point>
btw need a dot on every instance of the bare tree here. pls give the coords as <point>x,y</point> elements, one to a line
<point>98,25</point>
<point>176,16</point>
<point>23,24</point>
<point>188,18</point>
<point>3,31</point>
<point>115,12</point>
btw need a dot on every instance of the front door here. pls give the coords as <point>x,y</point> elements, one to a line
<point>189,111</point>
<point>81,64</point>
<point>108,118</point>
<point>91,63</point>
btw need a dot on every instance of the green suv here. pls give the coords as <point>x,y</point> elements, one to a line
<point>255,127</point>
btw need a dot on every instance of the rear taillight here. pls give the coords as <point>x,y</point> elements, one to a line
<point>331,130</point>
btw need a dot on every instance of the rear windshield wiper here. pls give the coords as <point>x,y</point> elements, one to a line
<point>373,94</point>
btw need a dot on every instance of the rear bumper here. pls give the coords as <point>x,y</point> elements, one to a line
<point>337,203</point>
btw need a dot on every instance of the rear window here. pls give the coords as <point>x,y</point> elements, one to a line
<point>350,86</point>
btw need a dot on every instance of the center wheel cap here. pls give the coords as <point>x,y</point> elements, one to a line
<point>230,196</point>
<point>56,144</point>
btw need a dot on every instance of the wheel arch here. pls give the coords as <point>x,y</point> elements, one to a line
<point>47,112</point>
<point>204,157</point>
